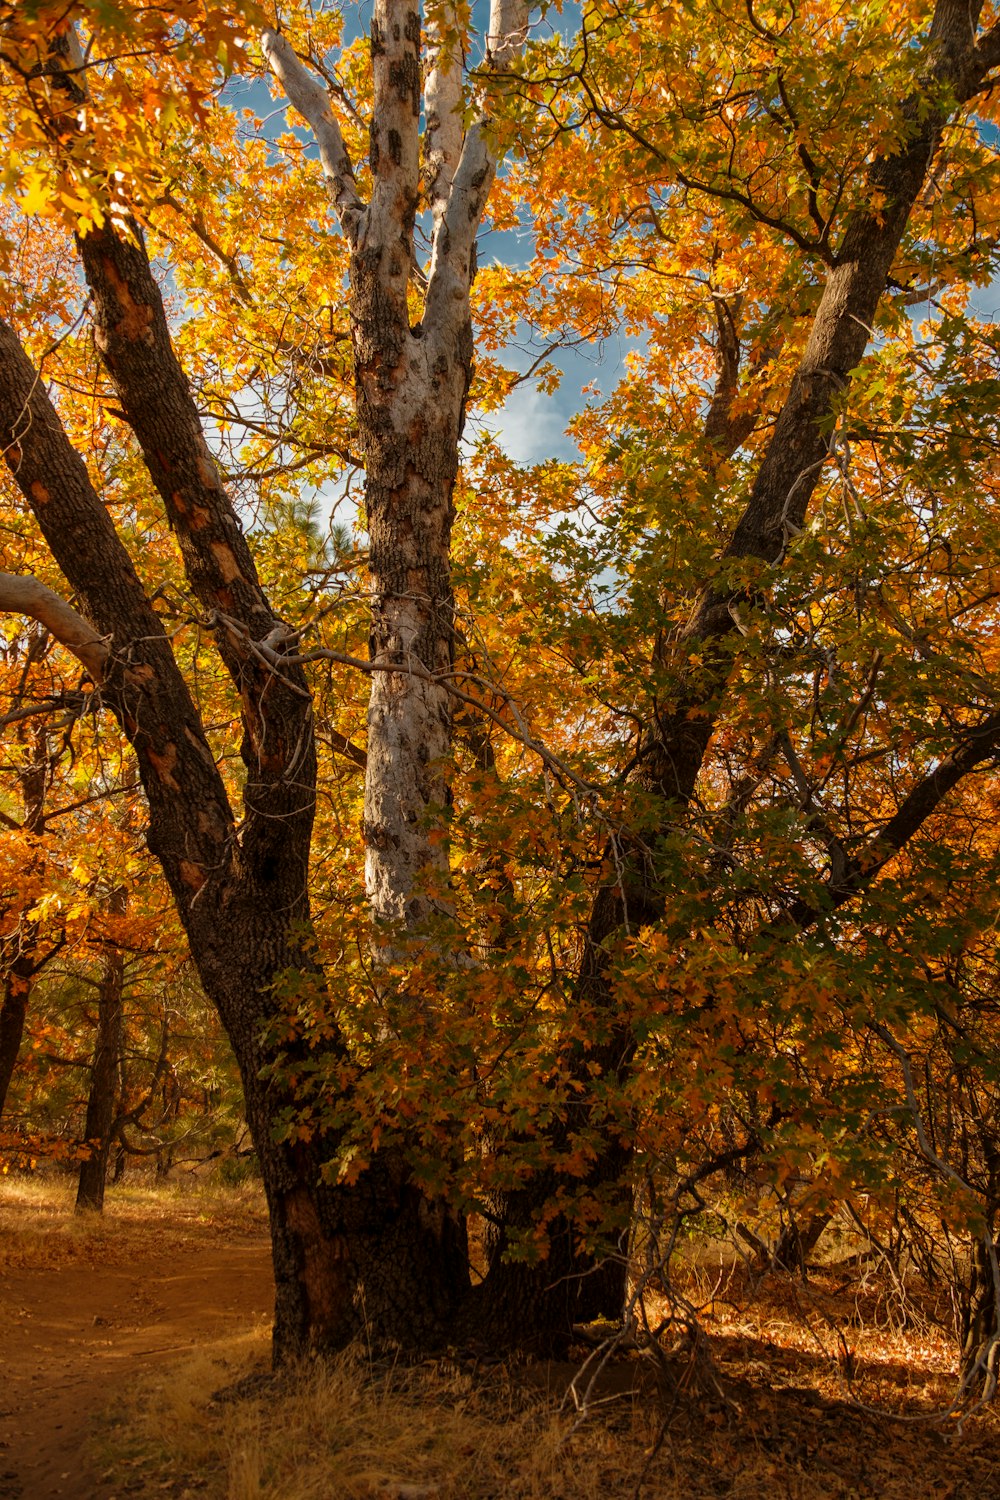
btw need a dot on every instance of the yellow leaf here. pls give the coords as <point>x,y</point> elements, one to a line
<point>37,199</point>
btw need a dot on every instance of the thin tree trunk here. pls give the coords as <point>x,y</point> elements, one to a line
<point>26,962</point>
<point>979,1330</point>
<point>99,1127</point>
<point>13,1011</point>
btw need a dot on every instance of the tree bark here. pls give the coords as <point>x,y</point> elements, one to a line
<point>13,1012</point>
<point>20,970</point>
<point>99,1124</point>
<point>979,1325</point>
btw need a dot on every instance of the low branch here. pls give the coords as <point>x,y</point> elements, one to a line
<point>27,596</point>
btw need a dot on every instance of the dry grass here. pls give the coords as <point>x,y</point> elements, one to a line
<point>786,1426</point>
<point>815,1381</point>
<point>39,1226</point>
<point>352,1430</point>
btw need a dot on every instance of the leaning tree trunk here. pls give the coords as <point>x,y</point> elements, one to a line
<point>99,1125</point>
<point>677,738</point>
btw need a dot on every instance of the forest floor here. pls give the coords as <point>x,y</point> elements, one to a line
<point>90,1306</point>
<point>133,1362</point>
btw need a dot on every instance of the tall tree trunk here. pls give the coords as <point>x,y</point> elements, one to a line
<point>21,969</point>
<point>99,1125</point>
<point>13,1011</point>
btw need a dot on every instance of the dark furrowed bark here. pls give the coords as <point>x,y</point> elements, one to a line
<point>279,747</point>
<point>535,1305</point>
<point>13,1013</point>
<point>245,927</point>
<point>26,962</point>
<point>142,684</point>
<point>132,337</point>
<point>374,1257</point>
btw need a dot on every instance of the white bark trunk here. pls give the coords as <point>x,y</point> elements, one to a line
<point>411,386</point>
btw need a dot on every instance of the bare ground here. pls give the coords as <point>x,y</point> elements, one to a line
<point>86,1310</point>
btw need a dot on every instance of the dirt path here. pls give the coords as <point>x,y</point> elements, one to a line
<point>72,1337</point>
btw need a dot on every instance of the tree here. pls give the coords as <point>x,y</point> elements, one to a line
<point>791,189</point>
<point>244,898</point>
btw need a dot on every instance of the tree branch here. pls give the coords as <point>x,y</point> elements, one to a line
<point>28,596</point>
<point>191,824</point>
<point>444,132</point>
<point>394,154</point>
<point>453,255</point>
<point>979,747</point>
<point>310,98</point>
<point>799,446</point>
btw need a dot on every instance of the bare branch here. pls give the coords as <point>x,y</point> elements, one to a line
<point>444,132</point>
<point>979,747</point>
<point>310,98</point>
<point>28,596</point>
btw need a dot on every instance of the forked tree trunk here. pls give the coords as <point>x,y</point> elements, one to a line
<point>375,1254</point>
